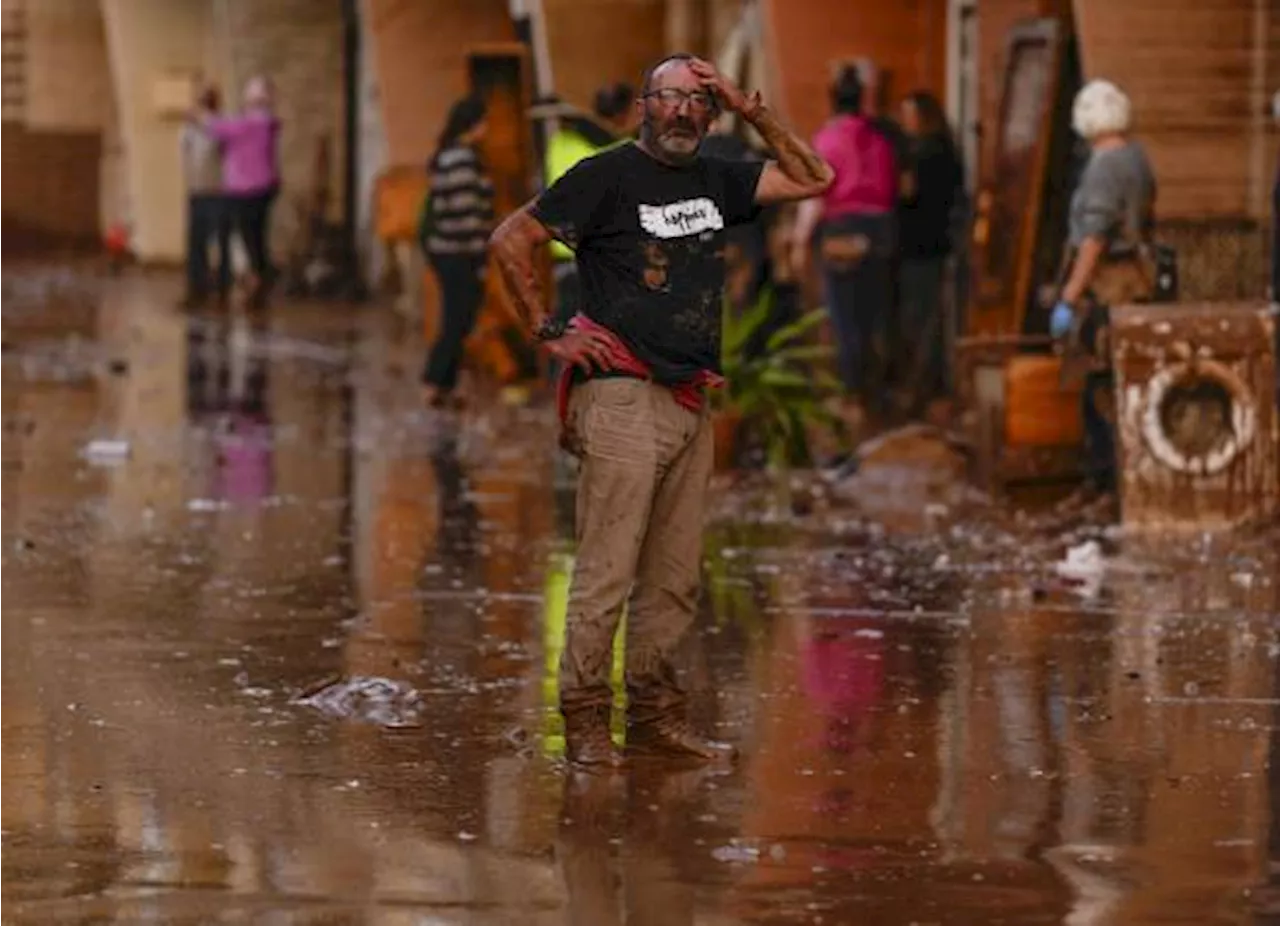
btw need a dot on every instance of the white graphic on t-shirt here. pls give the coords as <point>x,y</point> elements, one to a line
<point>687,217</point>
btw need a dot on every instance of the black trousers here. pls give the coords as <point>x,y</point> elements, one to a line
<point>207,220</point>
<point>251,215</point>
<point>461,292</point>
<point>860,304</point>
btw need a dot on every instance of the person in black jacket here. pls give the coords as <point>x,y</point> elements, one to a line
<point>934,184</point>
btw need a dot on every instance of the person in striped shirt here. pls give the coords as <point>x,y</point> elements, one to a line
<point>453,231</point>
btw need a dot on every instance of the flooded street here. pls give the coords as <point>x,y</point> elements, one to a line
<point>279,649</point>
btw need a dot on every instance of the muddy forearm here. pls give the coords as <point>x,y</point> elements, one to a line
<point>514,244</point>
<point>795,158</point>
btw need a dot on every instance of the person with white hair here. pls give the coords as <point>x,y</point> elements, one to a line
<point>1111,217</point>
<point>250,175</point>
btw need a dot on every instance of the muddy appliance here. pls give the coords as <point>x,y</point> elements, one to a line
<point>1195,399</point>
<point>1024,424</point>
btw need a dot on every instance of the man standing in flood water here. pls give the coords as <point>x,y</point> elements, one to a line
<point>647,223</point>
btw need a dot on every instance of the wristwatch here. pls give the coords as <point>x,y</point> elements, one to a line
<point>549,329</point>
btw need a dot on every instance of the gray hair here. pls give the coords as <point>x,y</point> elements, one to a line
<point>1101,108</point>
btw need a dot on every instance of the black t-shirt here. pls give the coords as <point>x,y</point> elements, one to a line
<point>649,240</point>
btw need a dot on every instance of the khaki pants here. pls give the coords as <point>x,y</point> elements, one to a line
<point>646,463</point>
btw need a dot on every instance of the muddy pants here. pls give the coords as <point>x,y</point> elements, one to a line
<point>646,462</point>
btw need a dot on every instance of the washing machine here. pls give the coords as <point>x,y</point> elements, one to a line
<point>1196,417</point>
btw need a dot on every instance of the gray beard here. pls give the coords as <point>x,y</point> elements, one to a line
<point>649,138</point>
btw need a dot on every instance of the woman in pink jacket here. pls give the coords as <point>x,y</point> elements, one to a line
<point>250,175</point>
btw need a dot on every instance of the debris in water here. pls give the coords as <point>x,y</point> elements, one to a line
<point>368,699</point>
<point>1085,566</point>
<point>205,504</point>
<point>736,851</point>
<point>106,452</point>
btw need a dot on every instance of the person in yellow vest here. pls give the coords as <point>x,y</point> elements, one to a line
<point>579,136</point>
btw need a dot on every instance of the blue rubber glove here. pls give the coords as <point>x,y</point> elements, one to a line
<point>1061,319</point>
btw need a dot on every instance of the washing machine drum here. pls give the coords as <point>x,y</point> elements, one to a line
<point>1199,417</point>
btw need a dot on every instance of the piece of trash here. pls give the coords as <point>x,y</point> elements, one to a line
<point>205,504</point>
<point>106,452</point>
<point>464,836</point>
<point>736,852</point>
<point>1084,565</point>
<point>368,699</point>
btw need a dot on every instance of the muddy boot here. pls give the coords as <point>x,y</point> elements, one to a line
<point>587,741</point>
<point>657,727</point>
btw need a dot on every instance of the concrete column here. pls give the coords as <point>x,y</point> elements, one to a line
<point>150,42</point>
<point>371,141</point>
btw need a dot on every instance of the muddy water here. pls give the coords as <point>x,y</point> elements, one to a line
<point>266,645</point>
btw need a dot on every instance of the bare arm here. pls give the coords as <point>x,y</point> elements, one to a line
<point>799,172</point>
<point>514,244</point>
<point>1082,269</point>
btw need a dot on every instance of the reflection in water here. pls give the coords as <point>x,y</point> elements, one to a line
<point>646,817</point>
<point>917,747</point>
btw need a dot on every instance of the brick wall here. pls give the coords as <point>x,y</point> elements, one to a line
<point>67,81</point>
<point>298,44</point>
<point>50,188</point>
<point>68,89</point>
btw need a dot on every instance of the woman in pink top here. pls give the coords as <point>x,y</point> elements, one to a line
<point>855,225</point>
<point>250,176</point>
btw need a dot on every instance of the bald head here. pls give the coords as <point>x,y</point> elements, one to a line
<point>671,61</point>
<point>677,109</point>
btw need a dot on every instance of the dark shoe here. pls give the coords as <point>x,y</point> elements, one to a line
<point>587,741</point>
<point>671,737</point>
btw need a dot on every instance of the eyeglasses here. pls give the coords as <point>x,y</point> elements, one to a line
<point>671,98</point>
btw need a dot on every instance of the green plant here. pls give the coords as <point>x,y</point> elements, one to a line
<point>779,391</point>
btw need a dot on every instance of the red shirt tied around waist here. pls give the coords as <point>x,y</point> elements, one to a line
<point>866,177</point>
<point>688,394</point>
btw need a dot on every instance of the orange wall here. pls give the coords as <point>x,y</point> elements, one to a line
<point>594,42</point>
<point>419,51</point>
<point>907,39</point>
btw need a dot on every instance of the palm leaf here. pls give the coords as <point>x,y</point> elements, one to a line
<point>738,329</point>
<point>796,330</point>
